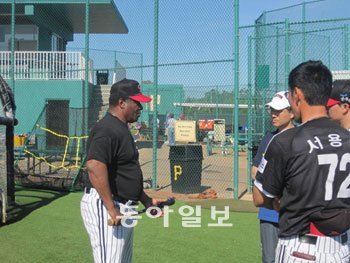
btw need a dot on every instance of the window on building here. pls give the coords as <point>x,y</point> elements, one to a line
<point>26,37</point>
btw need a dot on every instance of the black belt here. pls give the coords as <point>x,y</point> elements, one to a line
<point>313,239</point>
<point>87,190</point>
<point>124,201</point>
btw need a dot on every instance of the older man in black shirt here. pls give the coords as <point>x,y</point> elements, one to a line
<point>115,175</point>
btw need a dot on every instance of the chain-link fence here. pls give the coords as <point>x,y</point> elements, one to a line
<point>184,57</point>
<point>7,122</point>
<point>274,49</point>
<point>53,153</point>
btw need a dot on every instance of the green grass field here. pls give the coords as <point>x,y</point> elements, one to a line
<point>46,227</point>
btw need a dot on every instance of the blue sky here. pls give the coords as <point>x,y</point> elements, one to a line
<point>194,31</point>
<point>177,18</point>
<point>189,30</point>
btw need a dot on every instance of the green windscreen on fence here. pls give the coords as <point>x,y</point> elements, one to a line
<point>184,58</point>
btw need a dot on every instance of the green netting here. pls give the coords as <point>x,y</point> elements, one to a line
<point>184,57</point>
<point>54,152</point>
<point>3,174</point>
<point>274,49</point>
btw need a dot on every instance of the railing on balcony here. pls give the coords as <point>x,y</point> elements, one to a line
<point>44,65</point>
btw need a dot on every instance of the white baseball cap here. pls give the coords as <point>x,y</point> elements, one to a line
<point>279,101</point>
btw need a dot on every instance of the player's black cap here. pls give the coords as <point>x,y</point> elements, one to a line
<point>340,93</point>
<point>129,88</point>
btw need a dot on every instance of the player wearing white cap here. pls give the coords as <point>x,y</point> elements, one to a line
<point>282,119</point>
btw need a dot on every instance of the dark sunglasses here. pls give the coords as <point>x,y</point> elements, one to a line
<point>137,102</point>
<point>275,112</point>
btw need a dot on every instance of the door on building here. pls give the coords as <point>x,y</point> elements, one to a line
<point>57,121</point>
<point>26,45</point>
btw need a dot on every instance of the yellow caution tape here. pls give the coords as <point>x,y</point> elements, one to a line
<point>79,138</point>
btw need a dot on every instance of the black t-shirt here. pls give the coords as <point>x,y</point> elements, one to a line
<point>111,142</point>
<point>308,167</point>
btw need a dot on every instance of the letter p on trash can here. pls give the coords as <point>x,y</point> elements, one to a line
<point>177,171</point>
<point>186,168</point>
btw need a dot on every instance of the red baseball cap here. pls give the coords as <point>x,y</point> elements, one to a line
<point>340,93</point>
<point>129,88</point>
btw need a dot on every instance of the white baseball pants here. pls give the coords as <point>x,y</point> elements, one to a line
<point>110,244</point>
<point>311,249</point>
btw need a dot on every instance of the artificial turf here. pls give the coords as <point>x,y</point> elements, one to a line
<point>46,227</point>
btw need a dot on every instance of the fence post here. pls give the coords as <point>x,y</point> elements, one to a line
<point>10,165</point>
<point>276,61</point>
<point>250,152</point>
<point>10,128</point>
<point>346,46</point>
<point>141,68</point>
<point>262,45</point>
<point>217,102</point>
<point>86,79</point>
<point>304,35</point>
<point>155,96</point>
<point>236,98</point>
<point>115,70</point>
<point>329,52</point>
<point>286,53</point>
<point>12,75</point>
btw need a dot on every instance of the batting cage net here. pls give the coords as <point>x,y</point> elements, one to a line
<point>53,154</point>
<point>7,121</point>
<point>3,172</point>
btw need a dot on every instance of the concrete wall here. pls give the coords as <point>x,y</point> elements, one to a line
<point>31,97</point>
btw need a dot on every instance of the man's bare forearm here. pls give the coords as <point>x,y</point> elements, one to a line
<point>260,200</point>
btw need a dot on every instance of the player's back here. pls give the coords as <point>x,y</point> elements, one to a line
<point>317,156</point>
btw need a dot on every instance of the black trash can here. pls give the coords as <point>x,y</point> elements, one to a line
<point>186,168</point>
<point>102,77</point>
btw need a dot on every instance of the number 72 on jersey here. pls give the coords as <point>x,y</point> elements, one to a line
<point>332,160</point>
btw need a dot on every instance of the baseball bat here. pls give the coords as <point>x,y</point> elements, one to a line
<point>170,201</point>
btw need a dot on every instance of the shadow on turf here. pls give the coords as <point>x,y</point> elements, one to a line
<point>28,200</point>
